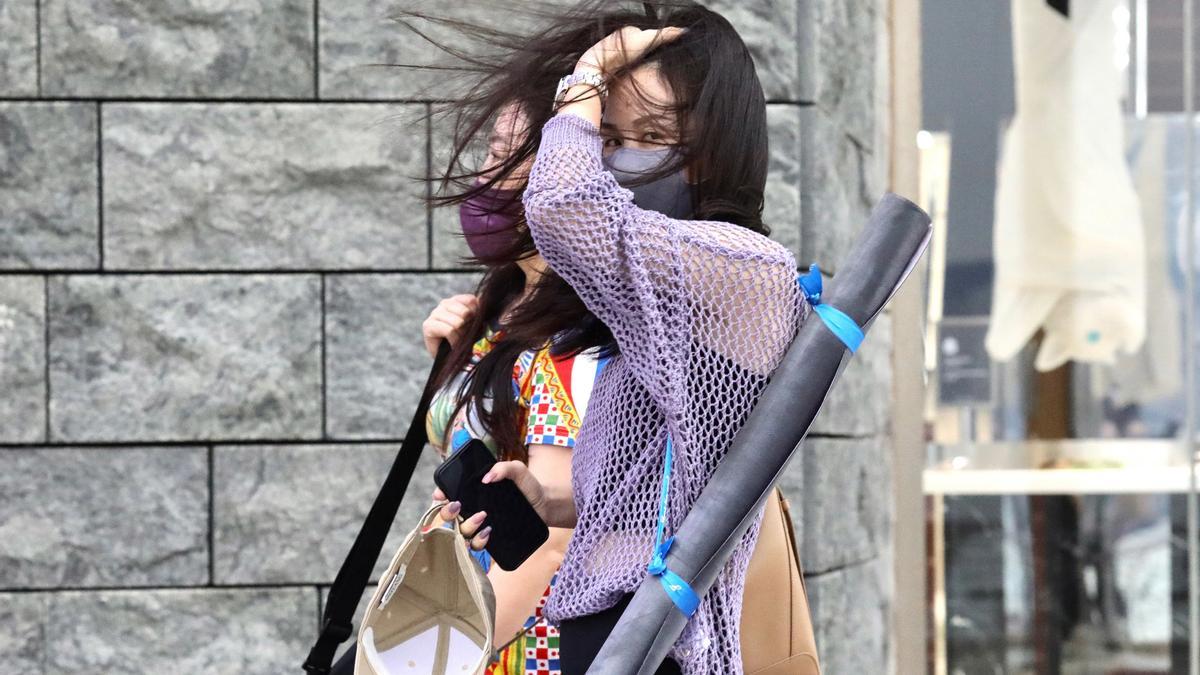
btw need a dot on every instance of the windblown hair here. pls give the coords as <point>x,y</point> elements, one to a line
<point>720,112</point>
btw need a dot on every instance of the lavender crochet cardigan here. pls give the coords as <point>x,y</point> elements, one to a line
<point>702,312</point>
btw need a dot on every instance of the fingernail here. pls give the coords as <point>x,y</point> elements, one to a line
<point>488,477</point>
<point>483,534</point>
<point>455,507</point>
<point>478,517</point>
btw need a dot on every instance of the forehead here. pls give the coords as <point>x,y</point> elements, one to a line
<point>511,122</point>
<point>643,92</point>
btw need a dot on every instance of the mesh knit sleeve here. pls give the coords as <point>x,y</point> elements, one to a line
<point>663,286</point>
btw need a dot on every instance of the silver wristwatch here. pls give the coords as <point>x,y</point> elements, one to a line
<point>594,80</point>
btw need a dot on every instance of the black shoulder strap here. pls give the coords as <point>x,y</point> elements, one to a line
<point>351,580</point>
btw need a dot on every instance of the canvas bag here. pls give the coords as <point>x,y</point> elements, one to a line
<point>347,589</point>
<point>776,627</point>
<point>433,611</point>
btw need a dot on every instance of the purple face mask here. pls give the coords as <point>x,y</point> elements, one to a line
<point>489,222</point>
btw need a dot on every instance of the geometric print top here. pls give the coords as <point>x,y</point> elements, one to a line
<point>554,390</point>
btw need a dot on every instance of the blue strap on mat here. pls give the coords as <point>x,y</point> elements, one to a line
<point>842,326</point>
<point>680,592</point>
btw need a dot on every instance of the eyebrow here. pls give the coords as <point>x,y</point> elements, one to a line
<point>650,119</point>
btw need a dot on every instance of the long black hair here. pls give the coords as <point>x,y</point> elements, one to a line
<point>721,114</point>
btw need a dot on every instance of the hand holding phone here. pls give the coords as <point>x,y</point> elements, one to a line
<point>517,529</point>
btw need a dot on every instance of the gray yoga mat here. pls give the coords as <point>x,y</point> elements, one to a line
<point>888,248</point>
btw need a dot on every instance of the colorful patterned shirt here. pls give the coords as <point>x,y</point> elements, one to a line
<point>554,392</point>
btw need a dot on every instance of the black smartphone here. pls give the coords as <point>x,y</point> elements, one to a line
<point>517,530</point>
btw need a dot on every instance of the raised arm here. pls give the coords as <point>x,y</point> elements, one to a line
<point>661,285</point>
<point>658,283</point>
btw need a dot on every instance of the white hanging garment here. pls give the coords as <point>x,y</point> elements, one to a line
<point>1068,238</point>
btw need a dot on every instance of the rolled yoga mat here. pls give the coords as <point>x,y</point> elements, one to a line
<point>888,248</point>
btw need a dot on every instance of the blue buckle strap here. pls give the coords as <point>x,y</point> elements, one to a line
<point>677,589</point>
<point>841,325</point>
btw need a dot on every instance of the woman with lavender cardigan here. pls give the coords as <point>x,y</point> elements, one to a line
<point>702,310</point>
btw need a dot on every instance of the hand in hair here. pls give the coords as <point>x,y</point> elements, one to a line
<point>617,50</point>
<point>623,47</point>
<point>446,321</point>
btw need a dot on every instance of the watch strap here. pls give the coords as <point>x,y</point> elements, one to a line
<point>594,80</point>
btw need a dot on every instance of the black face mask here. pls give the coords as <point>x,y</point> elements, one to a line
<point>670,195</point>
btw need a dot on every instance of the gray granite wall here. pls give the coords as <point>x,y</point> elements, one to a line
<point>214,262</point>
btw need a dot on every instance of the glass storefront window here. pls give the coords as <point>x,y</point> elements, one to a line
<point>1057,161</point>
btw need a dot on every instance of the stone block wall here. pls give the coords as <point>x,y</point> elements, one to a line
<point>214,260</point>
